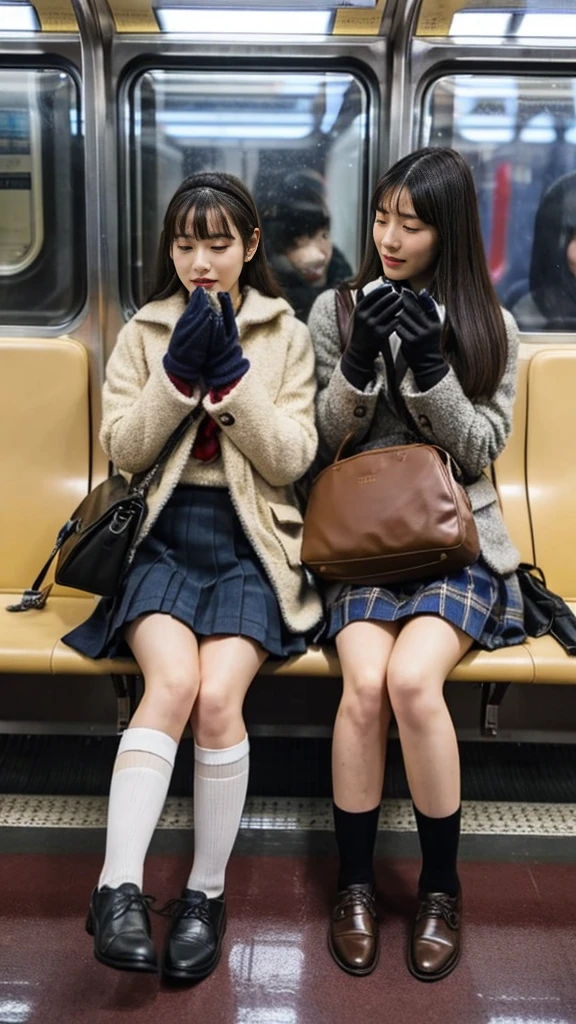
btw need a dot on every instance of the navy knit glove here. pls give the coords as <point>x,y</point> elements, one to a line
<point>373,321</point>
<point>419,329</point>
<point>225,362</point>
<point>190,338</point>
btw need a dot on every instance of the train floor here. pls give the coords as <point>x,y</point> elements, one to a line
<point>518,964</point>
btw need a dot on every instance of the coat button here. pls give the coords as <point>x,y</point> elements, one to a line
<point>360,411</point>
<point>227,419</point>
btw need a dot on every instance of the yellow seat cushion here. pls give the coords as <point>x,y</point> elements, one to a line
<point>512,664</point>
<point>47,475</point>
<point>551,466</point>
<point>45,431</point>
<point>28,639</point>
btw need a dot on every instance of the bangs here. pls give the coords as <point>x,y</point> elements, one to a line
<point>390,198</point>
<point>414,184</point>
<point>203,217</point>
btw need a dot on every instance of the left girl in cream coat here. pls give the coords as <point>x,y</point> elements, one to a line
<point>216,585</point>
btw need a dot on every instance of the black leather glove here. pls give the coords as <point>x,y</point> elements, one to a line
<point>374,320</point>
<point>225,361</point>
<point>190,338</point>
<point>419,329</point>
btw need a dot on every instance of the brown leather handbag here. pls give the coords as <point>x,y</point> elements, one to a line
<point>388,515</point>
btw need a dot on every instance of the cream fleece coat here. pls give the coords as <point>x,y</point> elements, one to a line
<point>268,437</point>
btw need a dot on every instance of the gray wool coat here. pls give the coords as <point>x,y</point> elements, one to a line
<point>474,433</point>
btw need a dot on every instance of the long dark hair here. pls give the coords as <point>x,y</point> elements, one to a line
<point>216,199</point>
<point>441,188</point>
<point>552,283</point>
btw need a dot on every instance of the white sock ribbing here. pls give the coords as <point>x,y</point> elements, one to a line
<point>140,781</point>
<point>220,784</point>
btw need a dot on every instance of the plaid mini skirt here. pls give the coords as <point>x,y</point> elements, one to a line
<point>484,605</point>
<point>197,565</point>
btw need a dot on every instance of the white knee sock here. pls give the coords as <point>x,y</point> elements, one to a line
<point>142,773</point>
<point>220,784</point>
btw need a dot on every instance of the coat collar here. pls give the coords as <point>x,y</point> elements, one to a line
<point>255,309</point>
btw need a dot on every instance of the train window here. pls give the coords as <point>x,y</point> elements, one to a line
<point>296,139</point>
<point>519,137</point>
<point>42,277</point>
<point>529,22</point>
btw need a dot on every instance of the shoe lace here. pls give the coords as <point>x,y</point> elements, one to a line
<point>187,907</point>
<point>358,896</point>
<point>131,901</point>
<point>439,904</point>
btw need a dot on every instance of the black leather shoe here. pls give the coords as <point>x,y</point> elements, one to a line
<point>194,942</point>
<point>118,919</point>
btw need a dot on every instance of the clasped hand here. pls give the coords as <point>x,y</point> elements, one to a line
<point>375,318</point>
<point>206,343</point>
<point>381,313</point>
<point>419,329</point>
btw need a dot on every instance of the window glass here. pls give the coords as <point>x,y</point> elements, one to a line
<point>42,278</point>
<point>296,140</point>
<point>528,22</point>
<point>519,137</point>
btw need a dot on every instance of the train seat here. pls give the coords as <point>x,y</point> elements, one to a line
<point>44,403</point>
<point>551,492</point>
<point>45,459</point>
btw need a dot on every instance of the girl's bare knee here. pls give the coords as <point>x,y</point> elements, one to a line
<point>175,692</point>
<point>214,712</point>
<point>365,700</point>
<point>414,694</point>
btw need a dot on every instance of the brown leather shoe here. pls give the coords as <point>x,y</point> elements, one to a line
<point>435,942</point>
<point>353,937</point>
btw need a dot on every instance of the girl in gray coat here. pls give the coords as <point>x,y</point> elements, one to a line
<point>431,299</point>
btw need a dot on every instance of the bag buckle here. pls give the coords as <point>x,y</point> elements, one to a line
<point>31,599</point>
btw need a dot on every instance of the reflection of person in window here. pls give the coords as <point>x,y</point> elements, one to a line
<point>296,226</point>
<point>551,302</point>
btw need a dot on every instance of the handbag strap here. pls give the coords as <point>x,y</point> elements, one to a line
<point>34,597</point>
<point>349,437</point>
<point>344,310</point>
<point>395,371</point>
<point>141,482</point>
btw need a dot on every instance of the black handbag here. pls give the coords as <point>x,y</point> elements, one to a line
<point>545,611</point>
<point>96,545</point>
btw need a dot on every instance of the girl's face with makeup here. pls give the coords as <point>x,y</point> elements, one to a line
<point>214,263</point>
<point>406,245</point>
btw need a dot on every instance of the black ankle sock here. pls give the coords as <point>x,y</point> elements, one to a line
<point>439,844</point>
<point>356,838</point>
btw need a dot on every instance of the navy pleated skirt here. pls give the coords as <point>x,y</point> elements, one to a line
<point>196,565</point>
<point>486,606</point>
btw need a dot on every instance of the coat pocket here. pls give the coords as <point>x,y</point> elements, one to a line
<point>287,526</point>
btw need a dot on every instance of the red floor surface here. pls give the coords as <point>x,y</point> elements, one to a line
<point>518,964</point>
